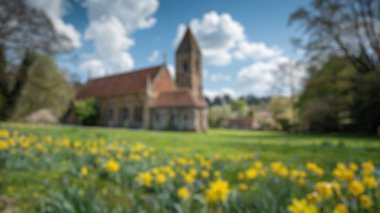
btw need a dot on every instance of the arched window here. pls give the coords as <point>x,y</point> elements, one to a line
<point>157,115</point>
<point>185,67</point>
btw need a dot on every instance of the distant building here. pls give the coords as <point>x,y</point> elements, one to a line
<point>149,98</point>
<point>259,120</point>
<point>241,123</point>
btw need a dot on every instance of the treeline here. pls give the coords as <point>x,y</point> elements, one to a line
<point>341,40</point>
<point>273,113</point>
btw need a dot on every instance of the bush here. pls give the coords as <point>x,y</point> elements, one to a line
<point>86,111</point>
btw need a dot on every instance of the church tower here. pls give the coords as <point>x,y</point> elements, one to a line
<point>189,65</point>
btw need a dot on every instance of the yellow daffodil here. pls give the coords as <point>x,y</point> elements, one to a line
<point>356,188</point>
<point>217,191</point>
<point>145,179</point>
<point>183,193</point>
<point>370,182</point>
<point>340,208</point>
<point>188,178</point>
<point>366,201</point>
<point>251,174</point>
<point>84,171</point>
<point>160,179</point>
<point>112,166</point>
<point>324,189</point>
<point>302,206</point>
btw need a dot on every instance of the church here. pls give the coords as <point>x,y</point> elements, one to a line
<point>149,97</point>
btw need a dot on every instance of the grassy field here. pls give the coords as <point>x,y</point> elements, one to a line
<point>268,145</point>
<point>30,179</point>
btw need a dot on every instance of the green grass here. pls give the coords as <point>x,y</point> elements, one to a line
<point>296,149</point>
<point>267,145</point>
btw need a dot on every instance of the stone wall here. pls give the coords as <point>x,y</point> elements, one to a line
<point>123,111</point>
<point>174,119</point>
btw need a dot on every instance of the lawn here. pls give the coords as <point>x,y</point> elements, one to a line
<point>268,145</point>
<point>49,169</point>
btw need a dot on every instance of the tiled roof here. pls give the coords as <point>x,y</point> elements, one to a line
<point>118,85</point>
<point>240,122</point>
<point>177,98</point>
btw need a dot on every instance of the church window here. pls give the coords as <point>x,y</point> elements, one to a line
<point>138,114</point>
<point>124,114</point>
<point>184,67</point>
<point>110,113</point>
<point>157,114</point>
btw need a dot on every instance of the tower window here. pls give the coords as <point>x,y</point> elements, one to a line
<point>184,67</point>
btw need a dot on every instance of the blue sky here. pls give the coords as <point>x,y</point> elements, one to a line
<point>243,42</point>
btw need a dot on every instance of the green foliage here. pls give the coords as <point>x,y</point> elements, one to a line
<point>86,111</point>
<point>325,102</point>
<point>11,88</point>
<point>282,111</point>
<point>219,114</point>
<point>343,94</point>
<point>45,88</point>
<point>365,109</point>
<point>240,107</point>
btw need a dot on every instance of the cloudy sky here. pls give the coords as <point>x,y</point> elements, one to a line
<point>244,43</point>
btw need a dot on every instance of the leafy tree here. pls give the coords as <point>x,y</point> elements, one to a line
<point>282,111</point>
<point>23,32</point>
<point>11,92</point>
<point>347,29</point>
<point>44,87</point>
<point>219,115</point>
<point>86,111</point>
<point>240,108</point>
<point>328,97</point>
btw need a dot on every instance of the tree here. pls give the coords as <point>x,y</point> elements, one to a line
<point>348,29</point>
<point>326,102</point>
<point>23,32</point>
<point>45,88</point>
<point>24,28</point>
<point>219,115</point>
<point>11,92</point>
<point>240,108</point>
<point>341,27</point>
<point>282,111</point>
<point>289,78</point>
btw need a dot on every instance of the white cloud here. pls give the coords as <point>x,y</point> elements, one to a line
<point>273,77</point>
<point>55,10</point>
<point>171,70</point>
<point>133,14</point>
<point>112,24</point>
<point>219,77</point>
<point>223,91</point>
<point>94,67</point>
<point>255,51</point>
<point>154,56</point>
<point>223,39</point>
<point>111,44</point>
<point>217,35</point>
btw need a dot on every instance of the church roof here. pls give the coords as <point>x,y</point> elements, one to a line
<point>188,42</point>
<point>118,85</point>
<point>177,98</point>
